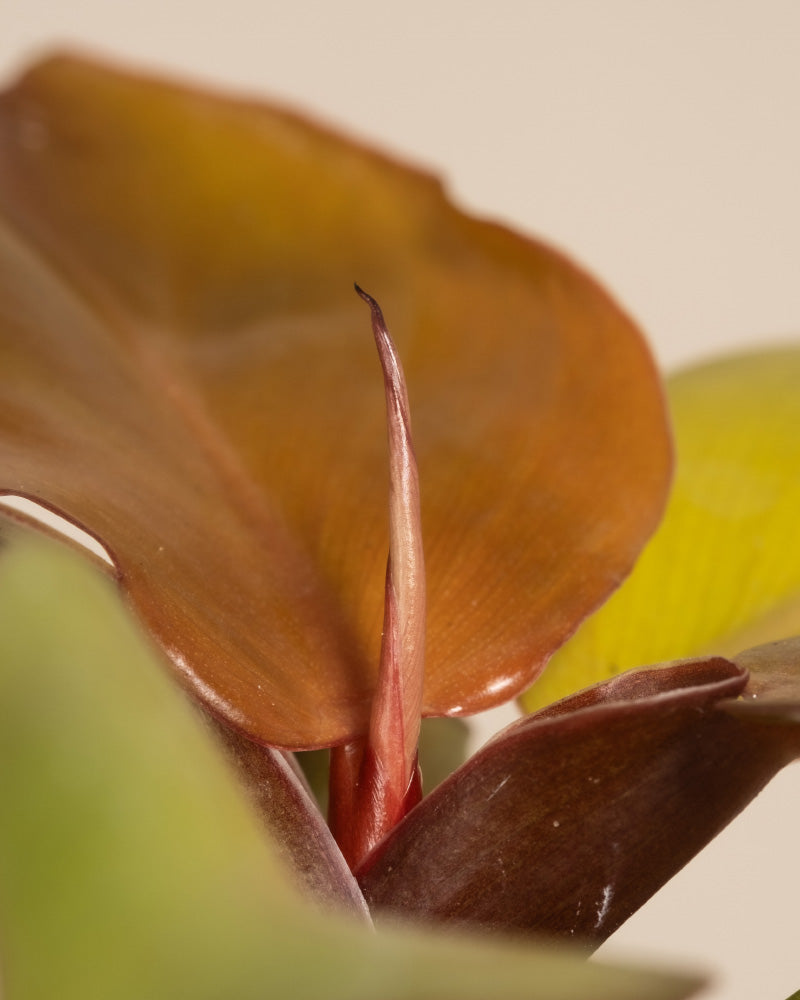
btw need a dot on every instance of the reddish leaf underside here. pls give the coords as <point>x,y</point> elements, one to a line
<point>569,820</point>
<point>188,375</point>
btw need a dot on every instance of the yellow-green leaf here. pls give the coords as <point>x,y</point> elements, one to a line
<point>131,866</point>
<point>723,570</point>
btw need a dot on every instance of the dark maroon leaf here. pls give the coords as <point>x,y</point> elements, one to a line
<point>570,819</point>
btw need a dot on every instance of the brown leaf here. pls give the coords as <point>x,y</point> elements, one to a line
<point>188,374</point>
<point>570,819</point>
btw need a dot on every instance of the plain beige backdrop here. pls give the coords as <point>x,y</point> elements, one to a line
<point>657,142</point>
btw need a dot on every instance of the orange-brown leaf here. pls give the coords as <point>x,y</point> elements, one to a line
<point>188,374</point>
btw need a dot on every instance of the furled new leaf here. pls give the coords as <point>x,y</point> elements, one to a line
<point>188,375</point>
<point>723,570</point>
<point>572,818</point>
<point>131,865</point>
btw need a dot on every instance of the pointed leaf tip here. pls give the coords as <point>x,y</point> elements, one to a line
<point>382,769</point>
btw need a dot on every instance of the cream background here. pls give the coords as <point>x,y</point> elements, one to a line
<point>657,142</point>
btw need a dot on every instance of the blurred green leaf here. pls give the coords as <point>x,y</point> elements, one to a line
<point>131,866</point>
<point>315,765</point>
<point>442,749</point>
<point>722,571</point>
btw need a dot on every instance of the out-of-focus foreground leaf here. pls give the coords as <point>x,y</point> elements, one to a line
<point>443,747</point>
<point>188,374</point>
<point>722,571</point>
<point>572,818</point>
<point>131,866</point>
<point>287,805</point>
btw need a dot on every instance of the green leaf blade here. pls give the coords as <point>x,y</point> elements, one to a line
<point>131,865</point>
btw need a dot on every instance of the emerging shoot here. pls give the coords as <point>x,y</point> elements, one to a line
<point>375,781</point>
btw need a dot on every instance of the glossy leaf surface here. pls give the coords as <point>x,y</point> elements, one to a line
<point>723,570</point>
<point>572,818</point>
<point>131,865</point>
<point>189,375</point>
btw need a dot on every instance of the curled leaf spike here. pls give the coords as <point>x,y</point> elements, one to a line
<point>403,647</point>
<point>383,775</point>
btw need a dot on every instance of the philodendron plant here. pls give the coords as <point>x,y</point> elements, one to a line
<point>324,544</point>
